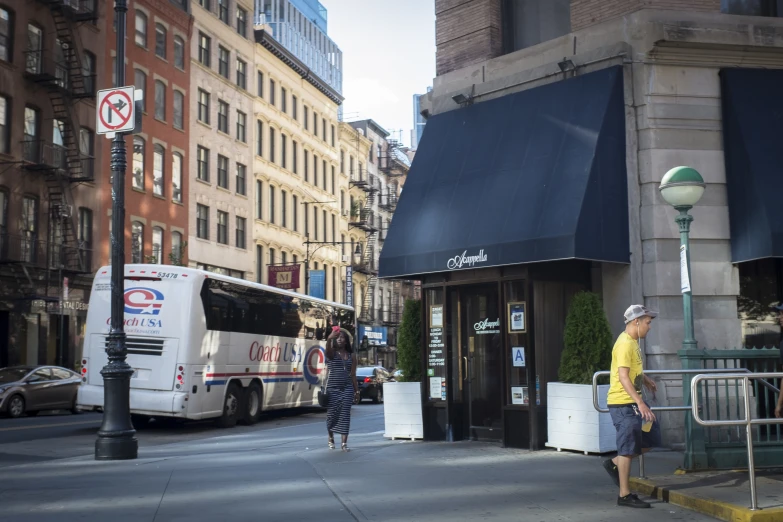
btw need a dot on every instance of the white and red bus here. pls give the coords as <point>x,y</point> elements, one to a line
<point>204,345</point>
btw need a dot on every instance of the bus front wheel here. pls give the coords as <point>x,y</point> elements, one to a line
<point>252,407</point>
<point>232,404</point>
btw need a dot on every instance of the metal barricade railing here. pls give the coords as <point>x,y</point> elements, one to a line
<point>721,371</point>
<point>748,421</point>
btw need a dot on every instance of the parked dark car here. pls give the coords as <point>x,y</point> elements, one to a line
<point>371,379</point>
<point>30,389</point>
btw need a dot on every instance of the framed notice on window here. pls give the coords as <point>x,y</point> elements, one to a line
<point>517,317</point>
<point>436,316</point>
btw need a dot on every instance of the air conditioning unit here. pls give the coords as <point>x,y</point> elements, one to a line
<point>346,212</point>
<point>346,258</point>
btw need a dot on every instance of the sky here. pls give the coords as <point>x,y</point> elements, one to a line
<point>388,56</point>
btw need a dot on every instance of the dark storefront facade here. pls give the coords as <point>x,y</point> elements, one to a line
<point>509,207</point>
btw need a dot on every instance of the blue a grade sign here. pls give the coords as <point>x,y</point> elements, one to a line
<point>376,335</point>
<point>318,284</point>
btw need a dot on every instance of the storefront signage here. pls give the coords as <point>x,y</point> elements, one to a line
<point>516,317</point>
<point>53,307</point>
<point>518,356</point>
<point>464,259</point>
<point>486,326</point>
<point>519,395</point>
<point>349,285</point>
<point>436,346</point>
<point>318,284</point>
<point>376,335</point>
<point>284,276</point>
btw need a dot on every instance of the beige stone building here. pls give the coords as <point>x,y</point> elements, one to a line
<point>686,82</point>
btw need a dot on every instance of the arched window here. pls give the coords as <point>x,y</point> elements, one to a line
<point>179,52</point>
<point>138,163</point>
<point>137,242</point>
<point>140,82</point>
<point>158,156</point>
<point>160,100</point>
<point>141,29</point>
<point>157,245</point>
<point>160,40</point>
<point>176,177</point>
<point>179,110</point>
<point>177,249</point>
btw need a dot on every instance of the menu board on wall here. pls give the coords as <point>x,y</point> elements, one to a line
<point>436,363</point>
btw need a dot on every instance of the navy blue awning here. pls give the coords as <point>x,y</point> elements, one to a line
<point>752,132</point>
<point>538,175</point>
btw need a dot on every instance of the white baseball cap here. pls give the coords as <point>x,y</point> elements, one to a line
<point>637,311</point>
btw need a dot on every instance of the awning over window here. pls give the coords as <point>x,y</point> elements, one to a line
<point>534,176</point>
<point>753,147</point>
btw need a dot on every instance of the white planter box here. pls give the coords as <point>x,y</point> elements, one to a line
<point>402,410</point>
<point>572,421</point>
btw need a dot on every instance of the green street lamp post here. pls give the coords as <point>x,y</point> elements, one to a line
<point>682,188</point>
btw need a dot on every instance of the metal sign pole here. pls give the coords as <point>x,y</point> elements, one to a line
<point>116,437</point>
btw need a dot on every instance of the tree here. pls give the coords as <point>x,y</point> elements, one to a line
<point>587,339</point>
<point>409,341</point>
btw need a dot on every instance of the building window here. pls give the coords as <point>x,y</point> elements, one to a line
<point>29,228</point>
<point>323,175</point>
<point>202,159</point>
<point>241,236</point>
<point>138,163</point>
<point>204,49</point>
<point>306,118</point>
<point>326,237</point>
<point>224,56</point>
<point>259,138</point>
<point>342,162</point>
<point>179,110</point>
<point>176,177</point>
<point>242,126</point>
<point>315,124</point>
<point>160,100</point>
<point>87,151</point>
<point>203,106</point>
<point>222,116</point>
<point>140,82</point>
<point>206,4</point>
<point>315,223</point>
<point>260,80</point>
<point>333,137</point>
<point>272,204</point>
<point>176,254</point>
<point>202,221</point>
<point>222,227</point>
<point>272,92</point>
<point>223,11</point>
<point>307,166</point>
<point>259,199</point>
<point>334,183</point>
<point>283,150</point>
<point>89,72</point>
<point>284,208</point>
<point>241,74</point>
<point>157,245</point>
<point>334,227</point>
<point>5,111</point>
<point>259,263</point>
<point>315,170</point>
<point>141,29</point>
<point>295,153</point>
<point>222,171</point>
<point>242,22</point>
<point>34,49</point>
<point>158,155</point>
<point>85,228</point>
<point>6,34</point>
<point>272,260</point>
<point>283,100</point>
<point>295,213</point>
<point>241,179</point>
<point>773,8</point>
<point>529,23</point>
<point>284,258</point>
<point>272,145</point>
<point>179,52</point>
<point>137,242</point>
<point>342,244</point>
<point>160,41</point>
<point>323,129</point>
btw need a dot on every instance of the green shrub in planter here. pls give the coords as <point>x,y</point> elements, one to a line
<point>409,342</point>
<point>588,340</point>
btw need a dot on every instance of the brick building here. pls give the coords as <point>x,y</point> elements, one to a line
<point>49,188</point>
<point>551,124</point>
<point>156,192</point>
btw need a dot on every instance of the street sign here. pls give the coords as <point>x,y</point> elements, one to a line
<point>116,110</point>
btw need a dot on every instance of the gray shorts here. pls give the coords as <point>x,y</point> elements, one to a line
<point>630,437</point>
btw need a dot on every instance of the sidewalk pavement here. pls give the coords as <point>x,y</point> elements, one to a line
<point>724,495</point>
<point>288,474</point>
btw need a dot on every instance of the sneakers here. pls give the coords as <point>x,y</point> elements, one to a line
<point>632,501</point>
<point>611,468</point>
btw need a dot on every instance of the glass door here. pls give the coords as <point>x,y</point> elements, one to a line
<point>482,337</point>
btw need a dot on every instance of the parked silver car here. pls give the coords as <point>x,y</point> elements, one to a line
<point>30,389</point>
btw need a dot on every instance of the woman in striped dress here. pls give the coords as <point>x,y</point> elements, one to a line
<point>341,385</point>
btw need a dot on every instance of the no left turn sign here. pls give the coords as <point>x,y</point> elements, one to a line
<point>115,110</point>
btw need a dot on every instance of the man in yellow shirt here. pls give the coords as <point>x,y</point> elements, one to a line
<point>637,428</point>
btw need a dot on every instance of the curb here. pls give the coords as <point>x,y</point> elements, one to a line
<point>714,508</point>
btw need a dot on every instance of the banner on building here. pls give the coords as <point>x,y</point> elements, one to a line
<point>284,276</point>
<point>318,284</point>
<point>349,285</point>
<point>376,335</point>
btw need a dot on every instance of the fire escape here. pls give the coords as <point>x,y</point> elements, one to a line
<point>391,164</point>
<point>366,220</point>
<point>60,163</point>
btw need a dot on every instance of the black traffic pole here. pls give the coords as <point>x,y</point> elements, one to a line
<point>116,437</point>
